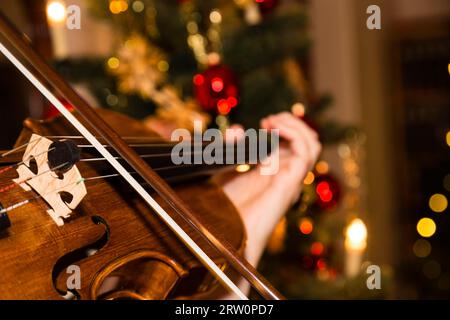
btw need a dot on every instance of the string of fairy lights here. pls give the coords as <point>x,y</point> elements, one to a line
<point>427,227</point>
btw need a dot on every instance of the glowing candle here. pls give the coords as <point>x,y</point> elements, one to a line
<point>56,16</point>
<point>355,245</point>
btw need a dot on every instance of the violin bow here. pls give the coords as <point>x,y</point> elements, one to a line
<point>12,40</point>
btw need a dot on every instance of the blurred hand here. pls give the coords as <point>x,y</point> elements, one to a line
<point>262,200</point>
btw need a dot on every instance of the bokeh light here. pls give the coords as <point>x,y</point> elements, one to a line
<point>118,6</point>
<point>163,66</point>
<point>113,63</point>
<point>317,248</point>
<point>217,84</point>
<point>243,168</point>
<point>438,202</point>
<point>223,106</point>
<point>138,6</point>
<point>324,191</point>
<point>309,178</point>
<point>356,235</point>
<point>426,227</point>
<point>56,11</point>
<point>198,79</point>
<point>298,109</point>
<point>306,226</point>
<point>321,264</point>
<point>215,16</point>
<point>322,167</point>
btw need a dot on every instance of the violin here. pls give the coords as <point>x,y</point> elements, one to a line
<point>109,232</point>
<point>93,192</point>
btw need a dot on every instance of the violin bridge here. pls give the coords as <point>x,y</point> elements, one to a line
<point>47,183</point>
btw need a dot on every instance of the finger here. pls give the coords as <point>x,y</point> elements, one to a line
<point>295,122</point>
<point>295,137</point>
<point>299,132</point>
<point>311,135</point>
<point>264,123</point>
<point>234,133</point>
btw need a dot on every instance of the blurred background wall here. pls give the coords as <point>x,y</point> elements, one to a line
<point>361,68</point>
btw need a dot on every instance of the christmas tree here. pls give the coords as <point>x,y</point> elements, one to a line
<point>226,62</point>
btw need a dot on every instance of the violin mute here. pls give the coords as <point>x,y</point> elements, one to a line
<point>5,223</point>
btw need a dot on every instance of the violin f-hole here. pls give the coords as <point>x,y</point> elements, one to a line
<point>59,274</point>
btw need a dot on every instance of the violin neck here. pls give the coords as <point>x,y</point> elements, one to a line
<point>180,162</point>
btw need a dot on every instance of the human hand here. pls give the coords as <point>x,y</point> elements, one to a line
<point>263,199</point>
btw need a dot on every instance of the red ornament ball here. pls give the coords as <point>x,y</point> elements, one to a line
<point>267,6</point>
<point>216,89</point>
<point>328,192</point>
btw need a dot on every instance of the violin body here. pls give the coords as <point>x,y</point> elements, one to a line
<point>113,241</point>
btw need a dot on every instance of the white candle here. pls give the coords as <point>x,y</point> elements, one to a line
<point>56,16</point>
<point>355,245</point>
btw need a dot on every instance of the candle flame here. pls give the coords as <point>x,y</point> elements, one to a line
<point>56,11</point>
<point>356,235</point>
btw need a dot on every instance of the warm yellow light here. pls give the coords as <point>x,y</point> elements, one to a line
<point>241,2</point>
<point>305,226</point>
<point>448,138</point>
<point>118,6</point>
<point>298,109</point>
<point>213,58</point>
<point>163,66</point>
<point>113,63</point>
<point>438,202</point>
<point>138,6</point>
<point>448,68</point>
<point>322,167</point>
<point>309,178</point>
<point>215,16</point>
<point>114,7</point>
<point>243,168</point>
<point>192,27</point>
<point>356,235</point>
<point>426,227</point>
<point>276,241</point>
<point>123,5</point>
<point>56,11</point>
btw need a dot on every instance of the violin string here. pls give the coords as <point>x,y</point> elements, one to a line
<point>16,184</point>
<point>100,138</point>
<point>155,155</point>
<point>19,148</point>
<point>15,165</point>
<point>37,197</point>
<point>218,151</point>
<point>144,145</point>
<point>159,170</point>
<point>132,145</point>
<point>145,140</point>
